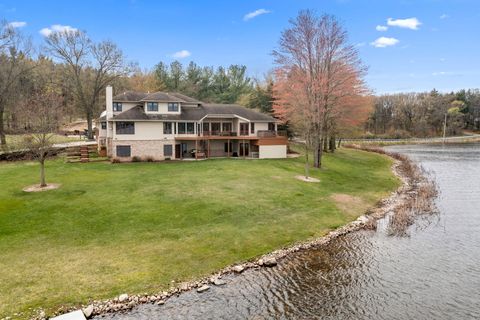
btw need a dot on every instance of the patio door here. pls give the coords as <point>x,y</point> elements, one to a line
<point>244,149</point>
<point>177,151</point>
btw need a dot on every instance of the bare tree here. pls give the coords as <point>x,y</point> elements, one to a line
<point>44,113</point>
<point>90,66</point>
<point>316,50</point>
<point>14,64</point>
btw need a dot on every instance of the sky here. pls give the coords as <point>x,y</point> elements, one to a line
<point>407,45</point>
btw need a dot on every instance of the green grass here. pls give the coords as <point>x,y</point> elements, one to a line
<point>114,228</point>
<point>14,139</point>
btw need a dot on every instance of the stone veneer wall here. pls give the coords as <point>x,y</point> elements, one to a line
<point>144,148</point>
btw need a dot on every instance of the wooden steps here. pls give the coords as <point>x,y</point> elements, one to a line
<point>80,154</point>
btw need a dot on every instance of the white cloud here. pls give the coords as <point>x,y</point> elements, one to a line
<point>181,54</point>
<point>381,28</point>
<point>57,28</point>
<point>444,16</point>
<point>17,24</point>
<point>254,14</point>
<point>383,42</point>
<point>409,23</point>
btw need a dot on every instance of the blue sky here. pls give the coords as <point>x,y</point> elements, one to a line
<point>427,44</point>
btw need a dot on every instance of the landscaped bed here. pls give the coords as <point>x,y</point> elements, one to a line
<point>135,227</point>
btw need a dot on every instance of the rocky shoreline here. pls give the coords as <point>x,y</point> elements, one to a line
<point>125,302</point>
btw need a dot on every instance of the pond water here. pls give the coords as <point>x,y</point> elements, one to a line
<point>434,273</point>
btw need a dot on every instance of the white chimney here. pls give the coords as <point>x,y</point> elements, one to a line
<point>109,102</point>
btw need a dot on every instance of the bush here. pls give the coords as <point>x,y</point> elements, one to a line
<point>115,160</point>
<point>149,159</point>
<point>136,159</point>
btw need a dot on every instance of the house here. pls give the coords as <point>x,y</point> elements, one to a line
<point>164,125</point>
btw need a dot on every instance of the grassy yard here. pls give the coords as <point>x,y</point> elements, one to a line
<point>114,228</point>
<point>14,139</point>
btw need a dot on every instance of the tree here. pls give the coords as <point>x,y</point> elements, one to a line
<point>314,53</point>
<point>15,63</point>
<point>44,113</point>
<point>90,66</point>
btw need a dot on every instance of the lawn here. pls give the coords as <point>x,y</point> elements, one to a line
<point>14,139</point>
<point>114,228</point>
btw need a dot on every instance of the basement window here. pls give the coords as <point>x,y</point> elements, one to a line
<point>124,151</point>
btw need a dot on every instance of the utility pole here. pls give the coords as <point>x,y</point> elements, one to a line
<point>445,128</point>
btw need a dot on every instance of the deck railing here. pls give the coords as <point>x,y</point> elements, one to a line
<point>271,133</point>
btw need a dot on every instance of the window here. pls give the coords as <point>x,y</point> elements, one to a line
<point>104,125</point>
<point>117,106</point>
<point>244,129</point>
<point>190,127</point>
<point>227,127</point>
<point>125,127</point>
<point>215,128</point>
<point>227,147</point>
<point>167,128</point>
<point>172,106</point>
<point>167,150</point>
<point>252,127</point>
<point>124,151</point>
<point>271,126</point>
<point>152,106</point>
<point>182,128</point>
<point>206,127</point>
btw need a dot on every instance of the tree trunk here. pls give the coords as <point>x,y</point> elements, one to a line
<point>317,153</point>
<point>3,140</point>
<point>307,165</point>
<point>43,183</point>
<point>90,125</point>
<point>325,144</point>
<point>332,144</point>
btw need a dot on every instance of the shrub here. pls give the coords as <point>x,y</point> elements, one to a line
<point>115,160</point>
<point>136,159</point>
<point>149,159</point>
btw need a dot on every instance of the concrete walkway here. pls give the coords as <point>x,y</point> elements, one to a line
<point>75,315</point>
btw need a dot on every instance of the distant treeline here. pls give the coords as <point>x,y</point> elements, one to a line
<point>423,114</point>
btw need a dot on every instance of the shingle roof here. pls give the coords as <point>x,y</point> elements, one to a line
<point>195,114</point>
<point>130,96</point>
<point>162,97</point>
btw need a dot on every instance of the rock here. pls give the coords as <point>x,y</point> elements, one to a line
<point>238,269</point>
<point>260,262</point>
<point>203,288</point>
<point>88,311</point>
<point>270,262</point>
<point>184,286</point>
<point>219,282</point>
<point>161,302</point>
<point>123,297</point>
<point>362,219</point>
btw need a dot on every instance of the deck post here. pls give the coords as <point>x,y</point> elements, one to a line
<point>196,149</point>
<point>243,146</point>
<point>208,148</point>
<point>228,148</point>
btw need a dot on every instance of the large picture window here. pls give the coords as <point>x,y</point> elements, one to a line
<point>125,127</point>
<point>167,150</point>
<point>173,107</point>
<point>252,127</point>
<point>182,128</point>
<point>227,127</point>
<point>167,127</point>
<point>190,127</point>
<point>152,106</point>
<point>117,106</point>
<point>124,151</point>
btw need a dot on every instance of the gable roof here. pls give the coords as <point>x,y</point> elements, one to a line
<point>196,114</point>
